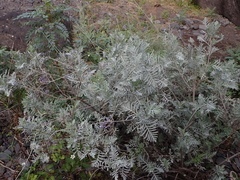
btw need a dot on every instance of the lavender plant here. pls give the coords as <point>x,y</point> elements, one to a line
<point>138,113</point>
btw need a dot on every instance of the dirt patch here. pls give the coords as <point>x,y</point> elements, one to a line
<point>12,32</point>
<point>164,16</point>
<point>192,26</point>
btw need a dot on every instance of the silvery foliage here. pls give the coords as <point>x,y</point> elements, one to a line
<point>7,83</point>
<point>177,96</point>
<point>219,173</point>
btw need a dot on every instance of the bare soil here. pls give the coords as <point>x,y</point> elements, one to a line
<point>163,16</point>
<point>12,32</point>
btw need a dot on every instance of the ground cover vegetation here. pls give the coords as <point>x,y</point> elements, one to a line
<point>115,105</point>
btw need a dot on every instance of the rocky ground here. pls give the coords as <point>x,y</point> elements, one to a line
<point>14,151</point>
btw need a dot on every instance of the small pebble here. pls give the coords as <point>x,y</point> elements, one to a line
<point>4,157</point>
<point>174,25</point>
<point>196,33</point>
<point>157,22</point>
<point>2,170</point>
<point>17,148</point>
<point>9,175</point>
<point>188,22</point>
<point>237,161</point>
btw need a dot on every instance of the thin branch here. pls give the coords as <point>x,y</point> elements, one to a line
<point>1,164</point>
<point>228,159</point>
<point>24,165</point>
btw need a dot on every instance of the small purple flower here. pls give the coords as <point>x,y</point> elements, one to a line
<point>106,123</point>
<point>42,54</point>
<point>43,79</point>
<point>103,124</point>
<point>46,91</point>
<point>67,77</point>
<point>40,29</point>
<point>124,26</point>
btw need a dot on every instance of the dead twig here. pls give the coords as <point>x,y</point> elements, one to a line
<point>2,164</point>
<point>228,159</point>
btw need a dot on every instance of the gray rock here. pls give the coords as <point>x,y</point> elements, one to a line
<point>237,161</point>
<point>185,27</point>
<point>2,170</point>
<point>30,9</point>
<point>196,33</point>
<point>2,148</point>
<point>157,22</point>
<point>224,22</point>
<point>9,175</point>
<point>6,155</point>
<point>188,22</point>
<point>196,21</point>
<point>202,27</point>
<point>164,29</point>
<point>174,25</point>
<point>108,14</point>
<point>7,151</point>
<point>17,148</point>
<point>195,26</point>
<point>200,37</point>
<point>30,1</point>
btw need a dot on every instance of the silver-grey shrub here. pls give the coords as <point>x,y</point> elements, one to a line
<point>137,109</point>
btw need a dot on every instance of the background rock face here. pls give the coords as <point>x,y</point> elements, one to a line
<point>228,8</point>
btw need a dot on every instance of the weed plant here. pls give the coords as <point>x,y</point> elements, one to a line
<point>165,14</point>
<point>181,17</point>
<point>211,12</point>
<point>48,33</point>
<point>93,39</point>
<point>63,166</point>
<point>137,113</point>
